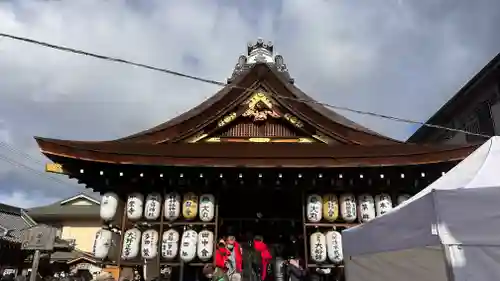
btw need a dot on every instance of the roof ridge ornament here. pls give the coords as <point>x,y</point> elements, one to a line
<point>260,52</point>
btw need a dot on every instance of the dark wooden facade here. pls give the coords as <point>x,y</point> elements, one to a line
<point>260,145</point>
<point>474,108</point>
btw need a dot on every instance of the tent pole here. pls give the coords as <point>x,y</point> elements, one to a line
<point>447,264</point>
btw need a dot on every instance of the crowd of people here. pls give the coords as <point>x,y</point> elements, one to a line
<point>60,277</point>
<point>251,262</point>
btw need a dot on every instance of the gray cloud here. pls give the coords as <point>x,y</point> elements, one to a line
<point>399,57</point>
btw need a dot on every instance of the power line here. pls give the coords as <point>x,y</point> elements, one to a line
<point>36,172</point>
<point>117,60</point>
<point>393,118</point>
<point>219,83</point>
<point>21,153</point>
<point>27,157</point>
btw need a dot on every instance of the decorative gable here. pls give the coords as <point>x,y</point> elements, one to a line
<point>260,118</point>
<point>79,200</point>
<point>82,202</point>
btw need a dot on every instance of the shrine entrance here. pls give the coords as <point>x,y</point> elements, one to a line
<point>276,215</point>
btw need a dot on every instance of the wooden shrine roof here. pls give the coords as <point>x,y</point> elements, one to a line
<point>336,140</point>
<point>252,154</point>
<point>228,97</point>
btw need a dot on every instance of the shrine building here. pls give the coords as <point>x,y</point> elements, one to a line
<point>259,157</point>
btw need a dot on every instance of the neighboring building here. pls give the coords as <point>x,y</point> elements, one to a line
<point>76,218</point>
<point>263,154</point>
<point>475,108</point>
<point>77,221</point>
<point>13,221</point>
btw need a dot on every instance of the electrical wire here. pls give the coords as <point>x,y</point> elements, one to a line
<point>44,175</point>
<point>222,84</point>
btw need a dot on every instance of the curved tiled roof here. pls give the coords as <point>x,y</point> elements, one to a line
<point>13,220</point>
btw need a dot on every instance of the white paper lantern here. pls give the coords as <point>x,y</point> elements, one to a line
<point>318,247</point>
<point>131,244</point>
<point>205,247</point>
<point>207,207</point>
<point>149,246</point>
<point>102,243</point>
<point>334,246</point>
<point>348,207</point>
<point>188,245</point>
<point>135,205</point>
<point>314,208</point>
<point>172,206</point>
<point>109,205</point>
<point>170,244</point>
<point>366,207</point>
<point>153,206</point>
<point>402,197</point>
<point>383,203</point>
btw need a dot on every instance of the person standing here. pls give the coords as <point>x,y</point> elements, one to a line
<point>221,254</point>
<point>294,271</point>
<point>228,258</point>
<point>234,261</point>
<point>263,257</point>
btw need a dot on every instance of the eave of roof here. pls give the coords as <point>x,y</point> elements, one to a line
<point>57,211</point>
<point>461,96</point>
<point>253,155</point>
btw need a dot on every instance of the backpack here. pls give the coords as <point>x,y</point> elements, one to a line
<point>219,275</point>
<point>255,258</point>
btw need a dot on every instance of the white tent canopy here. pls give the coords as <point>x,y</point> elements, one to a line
<point>448,231</point>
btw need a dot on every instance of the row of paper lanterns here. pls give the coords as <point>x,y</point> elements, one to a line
<point>145,245</point>
<point>149,208</point>
<point>330,208</point>
<point>323,246</point>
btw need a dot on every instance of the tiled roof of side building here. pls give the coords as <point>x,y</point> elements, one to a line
<point>64,208</point>
<point>13,220</point>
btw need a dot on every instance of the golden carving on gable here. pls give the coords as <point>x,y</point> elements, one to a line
<point>293,120</point>
<point>227,119</point>
<point>197,137</point>
<point>214,139</point>
<point>321,138</point>
<point>260,107</point>
<point>306,140</point>
<point>257,98</point>
<point>259,139</point>
<point>260,114</point>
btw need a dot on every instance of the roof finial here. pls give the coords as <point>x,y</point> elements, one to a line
<point>266,48</point>
<point>260,52</point>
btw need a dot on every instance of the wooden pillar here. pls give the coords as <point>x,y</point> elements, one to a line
<point>216,227</point>
<point>304,229</point>
<point>34,266</point>
<point>162,229</point>
<point>122,236</point>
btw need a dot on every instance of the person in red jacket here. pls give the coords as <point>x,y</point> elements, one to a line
<point>261,247</point>
<point>229,258</point>
<point>221,255</point>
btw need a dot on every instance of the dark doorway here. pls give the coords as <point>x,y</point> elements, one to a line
<point>276,215</point>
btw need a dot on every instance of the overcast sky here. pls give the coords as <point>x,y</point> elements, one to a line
<point>395,57</point>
